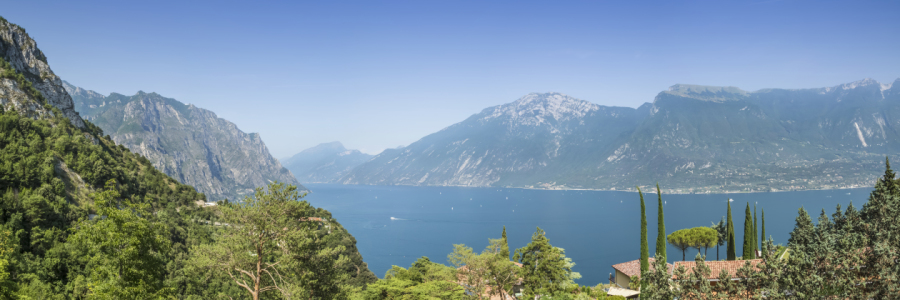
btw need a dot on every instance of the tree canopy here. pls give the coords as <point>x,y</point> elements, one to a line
<point>697,237</point>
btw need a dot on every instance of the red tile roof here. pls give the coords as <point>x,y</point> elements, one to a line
<point>716,267</point>
<point>633,268</point>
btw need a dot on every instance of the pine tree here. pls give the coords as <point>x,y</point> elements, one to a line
<point>505,249</point>
<point>544,267</point>
<point>645,249</point>
<point>748,234</point>
<point>661,227</point>
<point>731,252</point>
<point>881,216</point>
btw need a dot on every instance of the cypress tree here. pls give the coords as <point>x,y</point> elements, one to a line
<point>661,227</point>
<point>505,249</point>
<point>748,234</point>
<point>730,252</point>
<point>645,249</point>
<point>763,212</point>
<point>755,232</point>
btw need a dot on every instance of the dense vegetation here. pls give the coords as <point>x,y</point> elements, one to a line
<point>537,269</point>
<point>852,254</point>
<point>81,217</point>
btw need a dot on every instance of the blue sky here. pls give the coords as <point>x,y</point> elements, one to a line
<point>379,74</point>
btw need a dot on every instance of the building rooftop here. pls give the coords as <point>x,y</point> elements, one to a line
<point>716,267</point>
<point>633,268</point>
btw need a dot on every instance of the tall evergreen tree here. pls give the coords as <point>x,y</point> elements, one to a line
<point>730,252</point>
<point>748,234</point>
<point>881,216</point>
<point>764,238</point>
<point>645,249</point>
<point>755,232</point>
<point>661,227</point>
<point>504,250</point>
<point>544,268</point>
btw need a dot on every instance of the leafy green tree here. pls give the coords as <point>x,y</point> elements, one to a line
<point>748,235</point>
<point>697,237</point>
<point>661,226</point>
<point>645,249</point>
<point>544,269</point>
<point>7,286</point>
<point>722,234</point>
<point>489,273</point>
<point>730,252</point>
<point>268,243</point>
<point>124,252</point>
<point>423,280</point>
<point>703,237</point>
<point>681,239</point>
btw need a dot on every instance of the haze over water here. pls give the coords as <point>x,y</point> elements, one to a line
<point>395,225</point>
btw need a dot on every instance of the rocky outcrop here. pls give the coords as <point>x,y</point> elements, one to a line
<point>22,55</point>
<point>191,144</point>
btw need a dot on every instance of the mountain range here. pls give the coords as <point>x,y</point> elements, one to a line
<point>324,163</point>
<point>189,143</point>
<point>690,139</point>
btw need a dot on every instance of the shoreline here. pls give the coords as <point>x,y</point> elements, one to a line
<point>650,190</point>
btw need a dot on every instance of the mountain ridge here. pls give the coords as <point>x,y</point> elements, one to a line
<point>324,163</point>
<point>691,138</point>
<point>184,141</point>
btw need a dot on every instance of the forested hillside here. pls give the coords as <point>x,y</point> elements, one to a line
<point>82,217</point>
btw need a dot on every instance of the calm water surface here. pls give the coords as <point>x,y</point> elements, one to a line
<point>395,225</point>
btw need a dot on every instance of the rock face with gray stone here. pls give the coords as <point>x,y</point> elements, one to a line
<point>189,143</point>
<point>23,55</point>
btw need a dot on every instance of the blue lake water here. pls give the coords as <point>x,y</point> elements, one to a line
<point>395,225</point>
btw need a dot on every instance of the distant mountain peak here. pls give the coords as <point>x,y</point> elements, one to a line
<point>537,108</point>
<point>859,83</point>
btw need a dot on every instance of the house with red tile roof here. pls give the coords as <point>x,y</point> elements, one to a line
<point>632,269</point>
<point>716,267</point>
<point>627,270</point>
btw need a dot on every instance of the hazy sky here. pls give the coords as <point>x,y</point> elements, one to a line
<point>377,75</point>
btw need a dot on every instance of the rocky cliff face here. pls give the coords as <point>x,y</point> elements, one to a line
<point>23,58</point>
<point>690,139</point>
<point>324,163</point>
<point>190,144</point>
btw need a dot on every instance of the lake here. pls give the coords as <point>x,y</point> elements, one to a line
<point>395,225</point>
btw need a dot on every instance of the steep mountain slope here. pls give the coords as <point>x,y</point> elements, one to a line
<point>27,83</point>
<point>538,140</point>
<point>57,172</point>
<point>188,143</point>
<point>324,163</point>
<point>713,139</point>
<point>691,139</point>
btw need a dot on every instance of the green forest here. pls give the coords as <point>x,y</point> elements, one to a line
<point>81,217</point>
